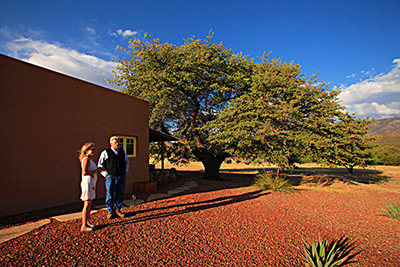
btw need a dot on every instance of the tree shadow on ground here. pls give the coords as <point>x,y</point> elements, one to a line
<point>229,180</point>
<point>185,176</point>
<point>321,176</point>
<point>183,208</point>
<point>232,178</point>
<point>328,176</point>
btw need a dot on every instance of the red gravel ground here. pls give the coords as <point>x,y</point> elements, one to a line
<point>217,224</point>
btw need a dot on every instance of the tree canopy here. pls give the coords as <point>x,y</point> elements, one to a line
<point>219,105</point>
<point>186,87</point>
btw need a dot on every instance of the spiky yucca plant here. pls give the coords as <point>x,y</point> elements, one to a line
<point>270,181</point>
<point>322,254</point>
<point>392,211</point>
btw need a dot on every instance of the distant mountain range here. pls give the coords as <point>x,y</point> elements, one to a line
<point>385,126</point>
<point>386,131</point>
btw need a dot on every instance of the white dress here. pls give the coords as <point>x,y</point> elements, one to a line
<point>88,183</point>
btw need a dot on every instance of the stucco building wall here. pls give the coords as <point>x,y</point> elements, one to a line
<point>46,117</point>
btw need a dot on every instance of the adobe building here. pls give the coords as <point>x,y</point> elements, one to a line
<point>46,118</point>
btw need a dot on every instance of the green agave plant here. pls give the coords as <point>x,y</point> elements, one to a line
<point>324,254</point>
<point>273,182</point>
<point>392,211</point>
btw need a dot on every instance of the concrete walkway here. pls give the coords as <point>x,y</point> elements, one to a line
<point>13,232</point>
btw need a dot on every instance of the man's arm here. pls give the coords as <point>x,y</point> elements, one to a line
<point>102,159</point>
<point>126,162</point>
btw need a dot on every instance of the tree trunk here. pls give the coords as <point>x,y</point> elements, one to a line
<point>211,168</point>
<point>350,169</point>
<point>211,164</point>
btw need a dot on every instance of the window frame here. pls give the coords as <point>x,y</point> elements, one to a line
<point>123,143</point>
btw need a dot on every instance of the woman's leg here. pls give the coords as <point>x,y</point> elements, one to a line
<point>88,214</point>
<point>86,208</point>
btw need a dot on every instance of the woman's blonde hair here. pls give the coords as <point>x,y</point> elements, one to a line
<point>84,148</point>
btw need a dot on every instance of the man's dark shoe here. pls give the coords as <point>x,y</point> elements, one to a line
<point>109,215</point>
<point>120,214</point>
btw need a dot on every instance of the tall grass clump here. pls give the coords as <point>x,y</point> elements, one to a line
<point>274,182</point>
<point>324,254</point>
<point>392,211</point>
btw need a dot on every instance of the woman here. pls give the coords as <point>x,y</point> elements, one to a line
<point>88,183</point>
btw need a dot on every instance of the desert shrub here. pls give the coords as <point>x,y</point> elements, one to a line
<point>336,253</point>
<point>392,211</point>
<point>274,182</point>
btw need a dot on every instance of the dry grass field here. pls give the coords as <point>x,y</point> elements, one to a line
<point>313,176</point>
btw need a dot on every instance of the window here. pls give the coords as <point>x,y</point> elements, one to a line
<point>128,143</point>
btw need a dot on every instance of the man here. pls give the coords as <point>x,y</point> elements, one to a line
<point>116,164</point>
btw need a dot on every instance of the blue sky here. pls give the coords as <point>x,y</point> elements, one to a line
<point>355,45</point>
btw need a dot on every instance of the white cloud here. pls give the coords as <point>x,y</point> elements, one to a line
<point>91,31</point>
<point>374,96</point>
<point>57,58</point>
<point>5,31</point>
<point>387,109</point>
<point>124,33</point>
<point>375,109</point>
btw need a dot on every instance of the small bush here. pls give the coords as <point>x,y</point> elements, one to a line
<point>392,211</point>
<point>336,253</point>
<point>273,182</point>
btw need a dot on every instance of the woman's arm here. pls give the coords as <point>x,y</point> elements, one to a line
<point>85,167</point>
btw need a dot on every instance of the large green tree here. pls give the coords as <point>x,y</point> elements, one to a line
<point>346,143</point>
<point>286,118</point>
<point>219,104</point>
<point>186,87</point>
<point>270,122</point>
